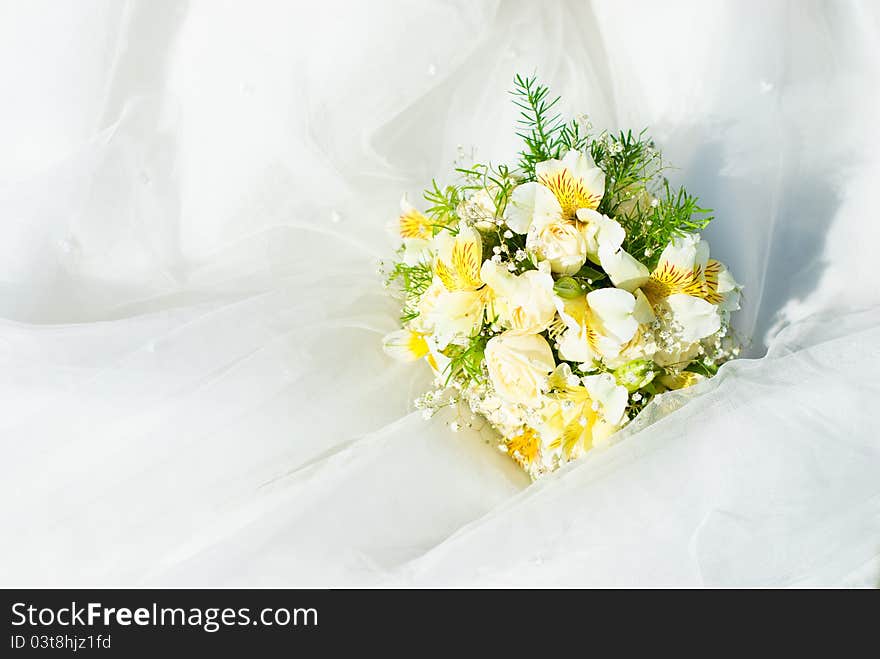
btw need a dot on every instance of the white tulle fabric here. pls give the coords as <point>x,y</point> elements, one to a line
<point>192,203</point>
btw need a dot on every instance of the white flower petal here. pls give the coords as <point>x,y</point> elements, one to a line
<point>726,282</point>
<point>701,253</point>
<point>417,250</point>
<point>680,253</point>
<point>697,317</point>
<point>624,270</point>
<point>614,308</point>
<point>524,303</point>
<point>600,231</point>
<point>497,277</point>
<point>456,314</point>
<point>548,168</point>
<point>612,397</point>
<point>573,347</point>
<point>581,165</point>
<point>528,203</point>
<point>643,312</point>
<point>405,345</point>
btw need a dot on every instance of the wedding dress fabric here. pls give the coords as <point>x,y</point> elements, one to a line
<point>193,200</point>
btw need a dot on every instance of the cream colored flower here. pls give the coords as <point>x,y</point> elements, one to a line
<point>445,315</point>
<point>454,309</point>
<point>518,366</point>
<point>559,242</point>
<point>456,314</point>
<point>405,345</point>
<point>522,303</point>
<point>459,259</point>
<point>416,231</point>
<point>598,324</point>
<point>546,210</point>
<point>562,188</point>
<point>687,281</point>
<point>582,413</point>
<point>604,238</point>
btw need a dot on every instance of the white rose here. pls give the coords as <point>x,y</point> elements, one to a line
<point>523,303</point>
<point>518,366</point>
<point>560,242</point>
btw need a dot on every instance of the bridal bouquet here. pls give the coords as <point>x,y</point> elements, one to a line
<point>556,297</point>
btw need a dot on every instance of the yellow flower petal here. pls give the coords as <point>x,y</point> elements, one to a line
<point>412,224</point>
<point>405,345</point>
<point>524,447</point>
<point>459,259</point>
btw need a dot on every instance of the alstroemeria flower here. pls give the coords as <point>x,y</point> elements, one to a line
<point>405,345</point>
<point>581,412</point>
<point>604,238</point>
<point>599,324</point>
<point>523,303</point>
<point>456,308</point>
<point>459,258</point>
<point>445,315</point>
<point>562,188</point>
<point>681,380</point>
<point>546,209</point>
<point>415,230</point>
<point>688,282</point>
<point>524,448</point>
<point>456,314</point>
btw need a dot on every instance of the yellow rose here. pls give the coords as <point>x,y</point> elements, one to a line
<point>518,366</point>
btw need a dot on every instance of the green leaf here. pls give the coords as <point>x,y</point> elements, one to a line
<point>587,272</point>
